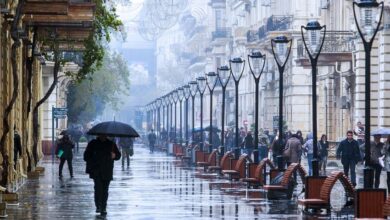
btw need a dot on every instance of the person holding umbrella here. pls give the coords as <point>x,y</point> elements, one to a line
<point>100,155</point>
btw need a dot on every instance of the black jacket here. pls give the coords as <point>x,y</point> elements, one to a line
<point>98,158</point>
<point>66,145</point>
<point>348,151</point>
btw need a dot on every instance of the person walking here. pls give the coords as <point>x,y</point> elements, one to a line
<point>152,140</point>
<point>300,136</point>
<point>126,145</point>
<point>349,153</point>
<point>64,152</point>
<point>248,143</point>
<point>308,148</point>
<point>293,150</point>
<point>375,153</point>
<point>324,148</point>
<point>359,132</point>
<point>99,156</point>
<point>17,147</point>
<point>263,148</point>
<point>386,152</point>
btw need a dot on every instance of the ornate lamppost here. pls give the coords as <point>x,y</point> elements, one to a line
<point>211,82</point>
<point>193,88</point>
<point>223,76</point>
<point>175,98</point>
<point>201,87</point>
<point>368,27</point>
<point>282,45</point>
<point>180,96</point>
<point>187,94</point>
<point>237,66</point>
<point>256,62</point>
<point>158,105</point>
<point>171,119</point>
<point>313,48</point>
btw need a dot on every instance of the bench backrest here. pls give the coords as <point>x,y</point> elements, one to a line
<point>225,159</point>
<point>240,165</point>
<point>329,182</point>
<point>212,157</point>
<point>294,167</point>
<point>260,168</point>
<point>386,207</point>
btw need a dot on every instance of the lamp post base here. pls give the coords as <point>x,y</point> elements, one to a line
<point>315,165</point>
<point>221,150</point>
<point>256,156</point>
<point>210,148</point>
<point>280,160</point>
<point>368,178</point>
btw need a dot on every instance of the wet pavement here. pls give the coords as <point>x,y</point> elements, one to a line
<point>156,186</point>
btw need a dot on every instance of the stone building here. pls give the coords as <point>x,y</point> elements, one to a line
<point>25,74</point>
<point>238,27</point>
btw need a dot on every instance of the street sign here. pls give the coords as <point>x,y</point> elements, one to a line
<point>60,112</point>
<point>275,122</point>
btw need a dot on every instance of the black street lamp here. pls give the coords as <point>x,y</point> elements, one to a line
<point>187,94</point>
<point>201,87</point>
<point>167,102</point>
<point>170,96</point>
<point>175,98</point>
<point>223,76</point>
<point>211,82</point>
<point>283,49</point>
<point>158,105</point>
<point>237,66</point>
<point>368,28</point>
<point>180,96</point>
<point>313,48</point>
<point>193,89</point>
<point>256,62</point>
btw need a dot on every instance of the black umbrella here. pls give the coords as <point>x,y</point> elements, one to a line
<point>113,129</point>
<point>214,129</point>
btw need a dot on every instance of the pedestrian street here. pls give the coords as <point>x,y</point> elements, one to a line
<point>156,186</point>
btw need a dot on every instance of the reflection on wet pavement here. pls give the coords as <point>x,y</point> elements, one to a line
<point>155,186</point>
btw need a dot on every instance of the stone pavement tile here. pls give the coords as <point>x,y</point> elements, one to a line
<point>156,186</point>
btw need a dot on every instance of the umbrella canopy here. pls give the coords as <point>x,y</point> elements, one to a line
<point>383,132</point>
<point>214,129</point>
<point>113,129</point>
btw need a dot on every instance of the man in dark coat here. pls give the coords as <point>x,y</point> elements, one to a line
<point>100,155</point>
<point>349,153</point>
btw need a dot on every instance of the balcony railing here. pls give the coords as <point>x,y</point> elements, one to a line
<point>221,33</point>
<point>335,42</point>
<point>274,23</point>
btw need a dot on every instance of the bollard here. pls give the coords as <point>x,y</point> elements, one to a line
<point>368,178</point>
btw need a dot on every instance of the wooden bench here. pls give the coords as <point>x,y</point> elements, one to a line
<point>239,168</point>
<point>288,174</point>
<point>370,203</point>
<point>199,156</point>
<point>386,207</point>
<point>258,177</point>
<point>224,164</point>
<point>323,202</point>
<point>211,161</point>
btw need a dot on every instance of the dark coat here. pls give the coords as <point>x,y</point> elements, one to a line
<point>324,149</point>
<point>17,144</point>
<point>348,151</point>
<point>66,145</point>
<point>98,158</point>
<point>248,141</point>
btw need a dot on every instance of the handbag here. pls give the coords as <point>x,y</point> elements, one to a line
<point>287,152</point>
<point>131,152</point>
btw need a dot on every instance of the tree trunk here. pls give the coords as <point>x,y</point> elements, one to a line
<point>8,109</point>
<point>36,126</point>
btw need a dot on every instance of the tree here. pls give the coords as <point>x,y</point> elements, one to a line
<point>87,99</point>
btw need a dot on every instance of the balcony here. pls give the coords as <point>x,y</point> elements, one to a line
<point>274,23</point>
<point>217,3</point>
<point>338,46</point>
<point>221,33</point>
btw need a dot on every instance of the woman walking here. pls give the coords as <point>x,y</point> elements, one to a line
<point>64,153</point>
<point>324,147</point>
